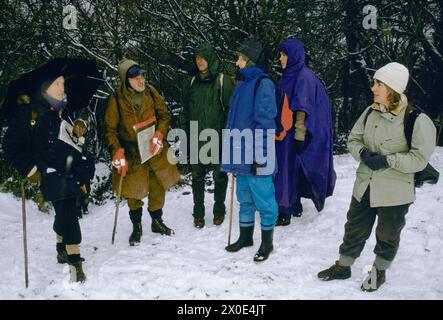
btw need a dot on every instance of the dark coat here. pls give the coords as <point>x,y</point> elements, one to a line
<point>27,145</point>
<point>204,100</point>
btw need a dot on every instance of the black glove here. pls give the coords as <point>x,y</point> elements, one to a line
<point>299,146</point>
<point>376,161</point>
<point>365,154</point>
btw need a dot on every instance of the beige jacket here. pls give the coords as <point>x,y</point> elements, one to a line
<point>384,133</point>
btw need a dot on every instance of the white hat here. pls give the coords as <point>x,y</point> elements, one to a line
<point>394,75</point>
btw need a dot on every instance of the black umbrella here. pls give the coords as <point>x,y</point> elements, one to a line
<point>82,78</point>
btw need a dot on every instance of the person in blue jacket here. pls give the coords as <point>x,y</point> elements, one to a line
<point>252,113</point>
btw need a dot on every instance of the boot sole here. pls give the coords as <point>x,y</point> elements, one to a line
<point>335,278</point>
<point>246,246</point>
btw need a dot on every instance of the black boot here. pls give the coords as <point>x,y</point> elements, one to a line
<point>137,230</point>
<point>298,209</point>
<point>62,254</point>
<point>379,278</point>
<point>245,240</point>
<point>266,245</point>
<point>76,268</point>
<point>157,225</point>
<point>335,272</point>
<point>283,220</point>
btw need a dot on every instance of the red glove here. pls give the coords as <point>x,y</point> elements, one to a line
<point>119,162</point>
<point>157,143</point>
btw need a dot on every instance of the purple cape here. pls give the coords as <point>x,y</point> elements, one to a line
<point>304,92</point>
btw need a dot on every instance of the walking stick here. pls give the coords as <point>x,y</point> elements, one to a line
<point>230,208</point>
<point>25,240</point>
<point>117,207</point>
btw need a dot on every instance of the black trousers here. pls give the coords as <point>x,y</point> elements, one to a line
<point>66,221</point>
<point>198,189</point>
<point>361,219</point>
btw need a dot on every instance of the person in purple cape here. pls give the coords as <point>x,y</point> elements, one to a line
<point>304,139</point>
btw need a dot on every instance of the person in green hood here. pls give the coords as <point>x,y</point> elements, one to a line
<point>205,99</point>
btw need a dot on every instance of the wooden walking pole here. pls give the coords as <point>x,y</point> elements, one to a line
<point>117,206</point>
<point>230,208</point>
<point>25,239</point>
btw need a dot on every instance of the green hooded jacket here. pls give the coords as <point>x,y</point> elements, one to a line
<point>205,100</point>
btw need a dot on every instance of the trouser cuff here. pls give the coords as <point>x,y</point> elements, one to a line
<point>381,264</point>
<point>346,261</point>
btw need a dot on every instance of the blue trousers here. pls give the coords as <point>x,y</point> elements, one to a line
<point>257,193</point>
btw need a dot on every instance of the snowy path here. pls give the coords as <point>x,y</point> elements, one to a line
<point>194,265</point>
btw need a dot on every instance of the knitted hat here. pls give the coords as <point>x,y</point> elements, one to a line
<point>394,75</point>
<point>256,51</point>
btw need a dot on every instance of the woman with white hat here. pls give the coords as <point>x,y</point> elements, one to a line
<point>384,185</point>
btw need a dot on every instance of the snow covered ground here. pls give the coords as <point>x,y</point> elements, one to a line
<point>194,265</point>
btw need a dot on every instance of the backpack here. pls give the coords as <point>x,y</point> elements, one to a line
<point>428,174</point>
<point>220,79</point>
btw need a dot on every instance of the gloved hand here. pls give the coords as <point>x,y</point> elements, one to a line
<point>365,154</point>
<point>299,146</point>
<point>119,162</point>
<point>157,143</point>
<point>376,161</point>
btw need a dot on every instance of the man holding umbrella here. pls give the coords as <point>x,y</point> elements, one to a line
<point>42,145</point>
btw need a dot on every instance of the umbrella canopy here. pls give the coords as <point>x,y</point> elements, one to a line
<point>82,79</point>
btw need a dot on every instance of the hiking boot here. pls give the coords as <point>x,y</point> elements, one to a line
<point>218,220</point>
<point>245,240</point>
<point>76,269</point>
<point>335,272</point>
<point>379,278</point>
<point>137,232</point>
<point>199,222</point>
<point>157,226</point>
<point>283,221</point>
<point>266,246</point>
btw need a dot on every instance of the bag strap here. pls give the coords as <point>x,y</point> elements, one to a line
<point>409,119</point>
<point>221,77</point>
<point>117,100</point>
<point>221,80</point>
<point>366,116</point>
<point>257,84</point>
